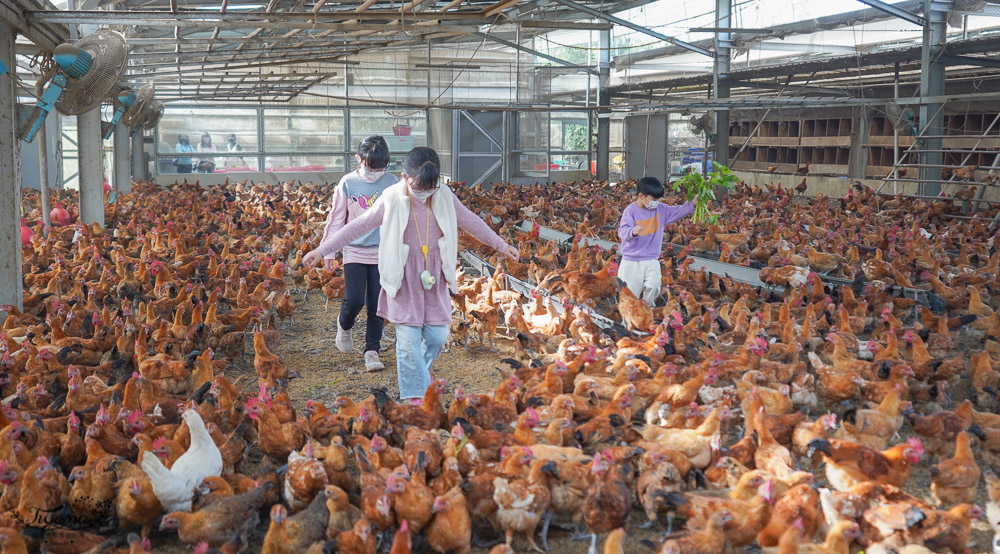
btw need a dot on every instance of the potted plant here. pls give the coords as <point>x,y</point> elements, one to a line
<point>701,190</point>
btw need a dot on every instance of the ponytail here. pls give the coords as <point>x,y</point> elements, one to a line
<point>422,167</point>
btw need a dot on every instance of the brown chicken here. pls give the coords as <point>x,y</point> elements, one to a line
<point>800,507</point>
<point>295,534</point>
<point>609,500</point>
<point>44,490</point>
<point>749,517</point>
<point>412,498</point>
<point>637,314</point>
<point>584,287</point>
<point>276,439</point>
<point>305,478</point>
<point>848,463</point>
<point>429,415</point>
<point>951,529</point>
<point>343,514</point>
<point>376,505</point>
<point>451,528</point>
<point>522,500</point>
<point>226,522</point>
<point>267,365</point>
<point>136,503</point>
<point>710,540</point>
<point>359,540</point>
<point>956,481</point>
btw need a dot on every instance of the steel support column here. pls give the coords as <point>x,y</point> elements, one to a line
<point>43,168</point>
<point>604,101</point>
<point>720,79</point>
<point>122,180</point>
<point>10,182</point>
<point>932,84</point>
<point>138,158</point>
<point>858,160</point>
<point>91,182</point>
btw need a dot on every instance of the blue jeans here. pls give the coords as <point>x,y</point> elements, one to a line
<point>416,350</point>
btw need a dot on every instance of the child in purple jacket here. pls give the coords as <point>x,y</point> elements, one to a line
<point>641,232</point>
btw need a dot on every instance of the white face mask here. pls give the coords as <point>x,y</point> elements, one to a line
<point>420,195</point>
<point>370,175</point>
<point>652,204</point>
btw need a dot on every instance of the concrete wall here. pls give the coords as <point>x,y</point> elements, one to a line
<point>209,179</point>
<point>837,187</point>
<point>828,185</point>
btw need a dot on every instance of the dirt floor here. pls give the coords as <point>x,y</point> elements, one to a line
<point>307,347</point>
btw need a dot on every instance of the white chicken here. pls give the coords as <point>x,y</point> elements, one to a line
<point>993,507</point>
<point>174,487</point>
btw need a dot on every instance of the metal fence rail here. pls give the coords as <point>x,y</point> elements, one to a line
<point>527,289</point>
<point>739,273</point>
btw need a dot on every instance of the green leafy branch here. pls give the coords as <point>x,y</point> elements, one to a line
<point>701,191</point>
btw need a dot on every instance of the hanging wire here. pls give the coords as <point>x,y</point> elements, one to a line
<point>43,61</point>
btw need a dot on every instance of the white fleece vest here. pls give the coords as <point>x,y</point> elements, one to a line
<point>392,252</point>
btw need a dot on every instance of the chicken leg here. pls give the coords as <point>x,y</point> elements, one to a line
<point>478,542</point>
<point>545,530</point>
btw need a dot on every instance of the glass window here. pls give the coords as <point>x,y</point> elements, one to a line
<point>215,164</point>
<point>232,164</point>
<point>304,130</point>
<point>70,153</point>
<point>303,162</point>
<point>535,165</point>
<point>616,133</point>
<point>533,130</point>
<point>568,131</point>
<point>687,149</point>
<point>217,123</point>
<point>402,133</point>
<point>570,161</point>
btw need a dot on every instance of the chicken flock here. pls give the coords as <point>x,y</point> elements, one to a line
<point>726,417</point>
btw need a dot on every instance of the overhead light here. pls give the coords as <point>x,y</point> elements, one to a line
<point>230,7</point>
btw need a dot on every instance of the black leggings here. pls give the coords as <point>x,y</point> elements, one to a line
<point>361,288</point>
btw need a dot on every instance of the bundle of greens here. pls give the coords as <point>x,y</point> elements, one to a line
<point>701,191</point>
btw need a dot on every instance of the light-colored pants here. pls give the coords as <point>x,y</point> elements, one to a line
<point>416,350</point>
<point>642,278</point>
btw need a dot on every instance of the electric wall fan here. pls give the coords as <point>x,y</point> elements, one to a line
<point>84,74</point>
<point>122,102</point>
<point>151,113</point>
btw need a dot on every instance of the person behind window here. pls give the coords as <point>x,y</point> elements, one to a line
<point>206,164</point>
<point>183,146</point>
<point>232,147</point>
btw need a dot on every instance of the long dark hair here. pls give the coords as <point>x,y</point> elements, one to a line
<point>374,152</point>
<point>423,168</point>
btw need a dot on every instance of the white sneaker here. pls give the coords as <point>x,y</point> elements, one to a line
<point>372,363</point>
<point>345,342</point>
